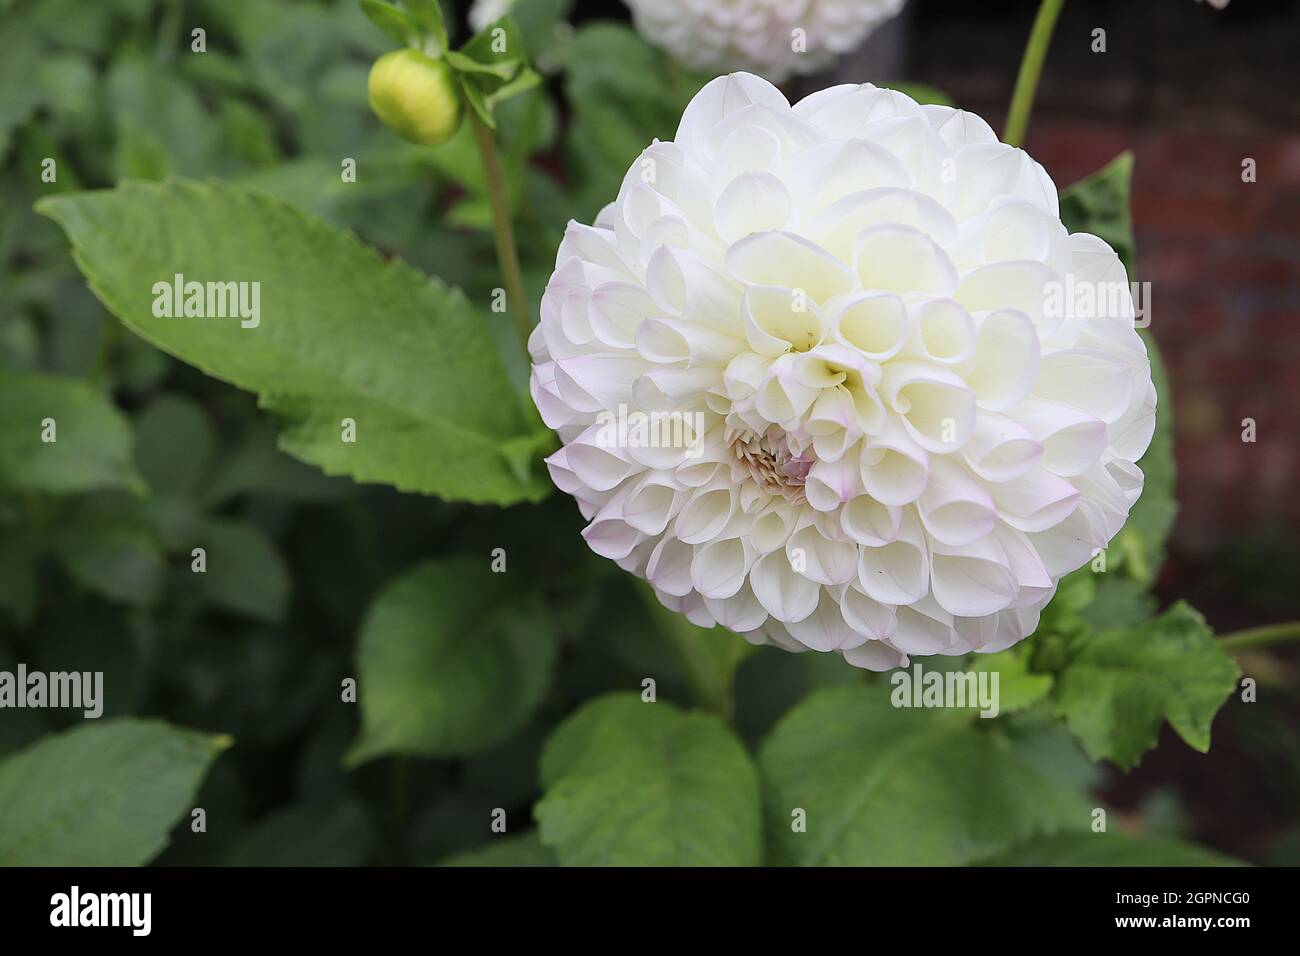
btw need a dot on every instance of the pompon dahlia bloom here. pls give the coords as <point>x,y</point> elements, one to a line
<point>759,35</point>
<point>900,427</point>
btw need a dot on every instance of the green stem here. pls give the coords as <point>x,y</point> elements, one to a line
<point>169,30</point>
<point>708,677</point>
<point>1261,637</point>
<point>1031,67</point>
<point>507,254</point>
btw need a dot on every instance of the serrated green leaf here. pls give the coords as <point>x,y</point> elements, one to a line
<point>645,784</point>
<point>245,573</point>
<point>452,659</point>
<point>342,335</point>
<point>104,794</point>
<point>1119,685</point>
<point>92,440</point>
<point>174,445</point>
<point>887,786</point>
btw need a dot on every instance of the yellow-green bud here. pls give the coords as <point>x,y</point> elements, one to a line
<point>415,96</point>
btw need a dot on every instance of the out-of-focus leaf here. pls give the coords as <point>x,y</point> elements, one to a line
<point>162,128</point>
<point>91,446</point>
<point>624,94</point>
<point>18,556</point>
<point>452,659</point>
<point>174,445</point>
<point>109,546</point>
<point>245,572</point>
<point>321,833</point>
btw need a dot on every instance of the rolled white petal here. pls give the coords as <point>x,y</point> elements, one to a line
<point>825,628</point>
<point>1000,448</point>
<point>1034,501</point>
<point>897,573</point>
<point>895,469</point>
<point>719,568</point>
<point>956,508</point>
<point>785,593</point>
<point>973,580</point>
<point>1005,364</point>
<point>822,559</point>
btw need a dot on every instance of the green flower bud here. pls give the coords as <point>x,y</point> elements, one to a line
<point>415,96</point>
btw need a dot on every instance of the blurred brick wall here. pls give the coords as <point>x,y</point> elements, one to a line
<point>1192,92</point>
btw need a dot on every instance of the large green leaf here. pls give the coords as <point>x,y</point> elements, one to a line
<point>452,659</point>
<point>1118,686</point>
<point>886,786</point>
<point>104,794</point>
<point>342,335</point>
<point>92,440</point>
<point>1108,849</point>
<point>645,784</point>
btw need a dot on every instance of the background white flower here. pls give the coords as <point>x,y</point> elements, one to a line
<point>906,435</point>
<point>484,12</point>
<point>758,35</point>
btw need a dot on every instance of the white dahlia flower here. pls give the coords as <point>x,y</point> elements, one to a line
<point>836,377</point>
<point>772,37</point>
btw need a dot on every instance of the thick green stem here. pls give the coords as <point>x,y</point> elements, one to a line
<point>708,669</point>
<point>1261,637</point>
<point>1031,67</point>
<point>507,255</point>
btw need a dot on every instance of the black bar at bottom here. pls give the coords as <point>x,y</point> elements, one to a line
<point>333,907</point>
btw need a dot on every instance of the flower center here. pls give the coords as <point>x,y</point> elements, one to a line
<point>769,460</point>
